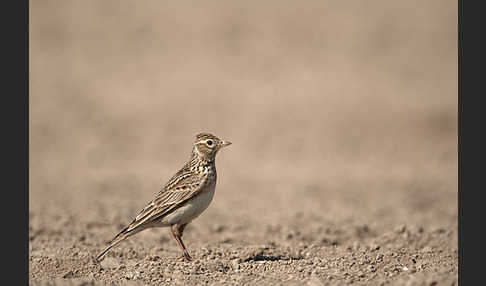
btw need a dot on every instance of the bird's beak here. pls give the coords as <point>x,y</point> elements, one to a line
<point>225,143</point>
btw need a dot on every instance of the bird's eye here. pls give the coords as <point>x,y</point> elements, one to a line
<point>209,142</point>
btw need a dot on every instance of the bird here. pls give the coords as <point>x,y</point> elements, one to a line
<point>182,199</point>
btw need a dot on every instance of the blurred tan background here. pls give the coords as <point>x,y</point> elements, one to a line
<point>342,109</point>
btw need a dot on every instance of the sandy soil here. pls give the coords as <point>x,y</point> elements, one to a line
<point>343,118</point>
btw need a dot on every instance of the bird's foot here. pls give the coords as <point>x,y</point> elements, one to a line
<point>185,257</point>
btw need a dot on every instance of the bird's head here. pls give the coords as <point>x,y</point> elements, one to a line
<point>207,145</point>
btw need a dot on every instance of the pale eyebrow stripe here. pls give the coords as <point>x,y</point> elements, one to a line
<point>204,141</point>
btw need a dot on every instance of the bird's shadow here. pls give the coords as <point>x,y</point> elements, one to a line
<point>261,257</point>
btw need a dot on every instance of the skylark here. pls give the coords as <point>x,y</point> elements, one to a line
<point>187,194</point>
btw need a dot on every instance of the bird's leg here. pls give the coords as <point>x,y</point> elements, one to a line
<point>177,231</point>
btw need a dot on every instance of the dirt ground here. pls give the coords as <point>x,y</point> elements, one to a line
<point>342,114</point>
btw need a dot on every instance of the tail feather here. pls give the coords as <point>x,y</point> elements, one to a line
<point>118,238</point>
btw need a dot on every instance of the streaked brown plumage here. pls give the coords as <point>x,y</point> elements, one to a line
<point>183,198</point>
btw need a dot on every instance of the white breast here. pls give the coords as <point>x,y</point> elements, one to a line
<point>191,210</point>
